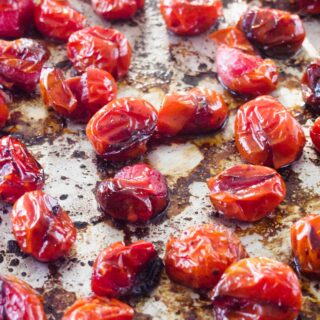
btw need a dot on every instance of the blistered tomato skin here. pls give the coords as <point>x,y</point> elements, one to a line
<point>199,257</point>
<point>310,85</point>
<point>257,288</point>
<point>19,301</point>
<point>309,6</point>
<point>267,134</point>
<point>121,270</point>
<point>189,18</point>
<point>315,134</point>
<point>246,192</point>
<point>102,48</point>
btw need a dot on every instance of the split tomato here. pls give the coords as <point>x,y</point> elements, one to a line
<point>315,134</point>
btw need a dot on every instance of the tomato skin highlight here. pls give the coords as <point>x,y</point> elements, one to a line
<point>315,134</point>
<point>309,6</point>
<point>200,255</point>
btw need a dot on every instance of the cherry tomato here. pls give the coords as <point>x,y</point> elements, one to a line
<point>245,74</point>
<point>18,301</point>
<point>121,129</point>
<point>4,110</point>
<point>315,134</point>
<point>106,49</point>
<point>309,6</point>
<point>197,111</point>
<point>117,9</point>
<point>257,288</point>
<point>267,134</point>
<point>246,192</point>
<point>190,17</point>
<point>121,270</point>
<point>57,20</point>
<point>98,308</point>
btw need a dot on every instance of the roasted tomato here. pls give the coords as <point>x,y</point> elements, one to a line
<point>117,9</point>
<point>122,270</point>
<point>245,74</point>
<point>275,32</point>
<point>315,134</point>
<point>197,111</point>
<point>190,17</point>
<point>309,6</point>
<point>199,257</point>
<point>18,301</point>
<point>19,170</point>
<point>15,17</point>
<point>246,192</point>
<point>106,49</point>
<point>267,134</point>
<point>257,288</point>
<point>121,129</point>
<point>57,20</point>
<point>4,110</point>
<point>98,308</point>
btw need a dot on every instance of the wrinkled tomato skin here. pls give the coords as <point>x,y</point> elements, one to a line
<point>120,130</point>
<point>56,19</point>
<point>315,134</point>
<point>19,301</point>
<point>102,48</point>
<point>189,18</point>
<point>136,194</point>
<point>267,134</point>
<point>98,308</point>
<point>4,110</point>
<point>196,111</point>
<point>19,170</point>
<point>309,6</point>
<point>246,192</point>
<point>257,288</point>
<point>41,227</point>
<point>245,74</point>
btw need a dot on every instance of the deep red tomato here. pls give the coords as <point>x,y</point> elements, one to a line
<point>4,110</point>
<point>309,6</point>
<point>18,301</point>
<point>246,192</point>
<point>199,257</point>
<point>103,48</point>
<point>267,134</point>
<point>98,308</point>
<point>121,270</point>
<point>245,74</point>
<point>120,130</point>
<point>57,20</point>
<point>190,17</point>
<point>259,289</point>
<point>315,134</point>
<point>196,111</point>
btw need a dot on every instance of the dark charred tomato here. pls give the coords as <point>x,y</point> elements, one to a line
<point>126,270</point>
<point>19,301</point>
<point>257,288</point>
<point>105,49</point>
<point>4,110</point>
<point>267,134</point>
<point>190,17</point>
<point>41,227</point>
<point>245,74</point>
<point>56,19</point>
<point>120,130</point>
<point>98,308</point>
<point>197,111</point>
<point>315,134</point>
<point>275,32</point>
<point>246,192</point>
<point>19,170</point>
<point>16,16</point>
<point>117,9</point>
<point>309,6</point>
<point>199,257</point>
<point>136,194</point>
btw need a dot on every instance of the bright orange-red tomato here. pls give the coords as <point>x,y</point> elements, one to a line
<point>315,134</point>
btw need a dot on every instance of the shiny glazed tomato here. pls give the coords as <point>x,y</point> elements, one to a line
<point>315,134</point>
<point>98,308</point>
<point>121,129</point>
<point>18,301</point>
<point>246,192</point>
<point>309,6</point>
<point>122,270</point>
<point>259,289</point>
<point>41,227</point>
<point>57,20</point>
<point>190,17</point>
<point>4,110</point>
<point>196,111</point>
<point>310,84</point>
<point>199,257</point>
<point>245,74</point>
<point>103,48</point>
<point>267,134</point>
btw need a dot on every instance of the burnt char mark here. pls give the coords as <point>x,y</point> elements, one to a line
<point>13,248</point>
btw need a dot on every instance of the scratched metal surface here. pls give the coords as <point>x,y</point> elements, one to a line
<point>161,63</point>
